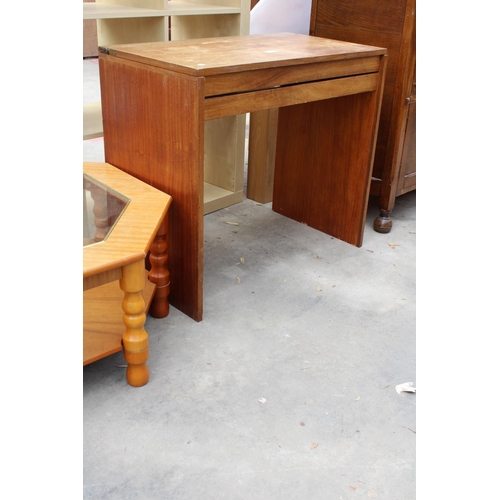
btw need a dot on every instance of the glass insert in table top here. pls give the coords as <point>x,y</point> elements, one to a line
<point>102,207</point>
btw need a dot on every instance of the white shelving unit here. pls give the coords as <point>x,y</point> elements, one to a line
<point>138,21</point>
<point>173,8</point>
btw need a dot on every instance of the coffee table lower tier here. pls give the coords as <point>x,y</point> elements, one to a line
<point>103,325</point>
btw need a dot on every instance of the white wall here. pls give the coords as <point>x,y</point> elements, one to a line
<point>280,16</point>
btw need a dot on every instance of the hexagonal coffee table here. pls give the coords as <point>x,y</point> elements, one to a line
<point>125,222</point>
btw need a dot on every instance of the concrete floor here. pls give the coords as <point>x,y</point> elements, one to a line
<point>286,389</point>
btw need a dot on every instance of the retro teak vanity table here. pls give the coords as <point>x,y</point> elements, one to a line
<point>156,98</point>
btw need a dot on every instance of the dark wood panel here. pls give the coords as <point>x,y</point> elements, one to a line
<point>150,134</point>
<point>370,22</point>
<point>322,175</point>
<point>217,107</point>
<point>273,77</point>
<point>261,155</point>
<point>408,177</point>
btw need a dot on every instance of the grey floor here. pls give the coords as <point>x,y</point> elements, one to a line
<point>286,389</point>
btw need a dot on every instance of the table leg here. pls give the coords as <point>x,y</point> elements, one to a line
<point>100,210</point>
<point>135,338</point>
<point>262,154</point>
<point>159,273</point>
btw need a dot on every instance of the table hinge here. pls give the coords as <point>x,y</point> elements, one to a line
<point>109,52</point>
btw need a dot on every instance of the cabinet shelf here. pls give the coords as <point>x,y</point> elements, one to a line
<point>185,9</point>
<point>110,11</point>
<point>107,11</point>
<point>215,198</point>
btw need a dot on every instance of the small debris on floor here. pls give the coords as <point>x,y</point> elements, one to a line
<point>406,387</point>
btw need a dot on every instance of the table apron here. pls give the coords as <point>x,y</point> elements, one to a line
<point>261,79</point>
<point>102,278</point>
<point>235,104</point>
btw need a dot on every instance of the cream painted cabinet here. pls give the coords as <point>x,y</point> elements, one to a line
<point>137,21</point>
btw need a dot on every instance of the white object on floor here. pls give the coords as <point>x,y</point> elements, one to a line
<point>406,387</point>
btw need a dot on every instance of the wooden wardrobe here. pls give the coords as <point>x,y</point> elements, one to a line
<point>390,24</point>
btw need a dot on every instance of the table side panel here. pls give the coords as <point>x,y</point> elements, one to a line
<point>324,160</point>
<point>322,174</point>
<point>154,130</point>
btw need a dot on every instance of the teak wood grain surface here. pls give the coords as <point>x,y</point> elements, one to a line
<point>223,55</point>
<point>156,98</point>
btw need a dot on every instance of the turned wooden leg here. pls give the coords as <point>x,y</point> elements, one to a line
<point>135,338</point>
<point>101,217</point>
<point>115,208</point>
<point>383,223</point>
<point>159,273</point>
